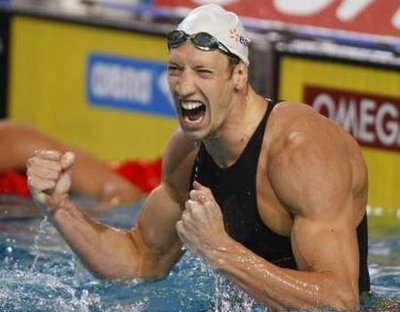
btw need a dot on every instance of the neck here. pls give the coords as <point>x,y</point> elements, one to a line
<point>226,147</point>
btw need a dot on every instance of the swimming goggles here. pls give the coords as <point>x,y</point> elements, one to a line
<point>201,40</point>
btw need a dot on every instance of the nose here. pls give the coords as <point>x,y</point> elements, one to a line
<point>185,84</point>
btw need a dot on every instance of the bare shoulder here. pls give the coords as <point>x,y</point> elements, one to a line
<point>178,160</point>
<point>311,160</point>
<point>299,126</point>
<point>292,125</point>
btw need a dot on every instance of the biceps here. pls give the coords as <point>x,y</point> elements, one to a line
<point>157,220</point>
<point>326,247</point>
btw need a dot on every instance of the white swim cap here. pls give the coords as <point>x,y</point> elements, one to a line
<point>222,24</point>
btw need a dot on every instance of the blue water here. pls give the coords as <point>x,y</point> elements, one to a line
<point>38,272</point>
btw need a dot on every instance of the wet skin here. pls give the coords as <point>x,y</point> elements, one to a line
<point>311,186</point>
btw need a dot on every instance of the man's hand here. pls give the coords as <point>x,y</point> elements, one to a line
<point>48,177</point>
<point>201,228</point>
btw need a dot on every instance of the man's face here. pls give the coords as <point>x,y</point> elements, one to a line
<point>202,88</point>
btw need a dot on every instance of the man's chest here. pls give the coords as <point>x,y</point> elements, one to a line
<point>271,210</point>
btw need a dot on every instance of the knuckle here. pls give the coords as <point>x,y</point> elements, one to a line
<point>189,204</point>
<point>29,172</point>
<point>185,215</point>
<point>29,162</point>
<point>179,227</point>
<point>192,194</point>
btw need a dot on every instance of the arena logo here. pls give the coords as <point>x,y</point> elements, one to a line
<point>117,82</point>
<point>127,83</point>
<point>373,120</point>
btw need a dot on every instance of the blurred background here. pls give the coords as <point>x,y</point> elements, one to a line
<point>92,73</point>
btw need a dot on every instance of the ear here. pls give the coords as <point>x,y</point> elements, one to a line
<point>240,76</point>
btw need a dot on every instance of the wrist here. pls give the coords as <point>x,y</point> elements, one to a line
<point>217,255</point>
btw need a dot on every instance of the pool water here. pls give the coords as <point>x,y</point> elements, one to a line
<point>38,272</point>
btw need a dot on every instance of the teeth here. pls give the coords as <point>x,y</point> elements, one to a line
<point>191,105</point>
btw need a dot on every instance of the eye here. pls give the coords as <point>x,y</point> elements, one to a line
<point>174,69</point>
<point>204,72</point>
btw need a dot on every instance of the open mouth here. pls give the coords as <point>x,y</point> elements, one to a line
<point>193,111</point>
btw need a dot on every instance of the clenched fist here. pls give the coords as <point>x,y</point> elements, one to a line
<point>201,227</point>
<point>48,177</point>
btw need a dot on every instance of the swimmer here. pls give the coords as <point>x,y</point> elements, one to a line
<point>90,177</point>
<point>271,195</point>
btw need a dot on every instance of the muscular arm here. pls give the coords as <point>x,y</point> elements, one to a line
<point>311,177</point>
<point>149,250</point>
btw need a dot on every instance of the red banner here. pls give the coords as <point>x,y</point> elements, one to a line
<point>378,17</point>
<point>372,119</point>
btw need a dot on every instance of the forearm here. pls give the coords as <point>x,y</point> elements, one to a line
<point>106,252</point>
<point>272,286</point>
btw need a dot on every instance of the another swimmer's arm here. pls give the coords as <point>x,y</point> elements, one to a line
<point>94,178</point>
<point>146,252</point>
<point>323,236</point>
<point>89,176</point>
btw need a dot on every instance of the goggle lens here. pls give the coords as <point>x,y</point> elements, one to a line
<point>205,41</point>
<point>175,38</point>
<point>202,40</point>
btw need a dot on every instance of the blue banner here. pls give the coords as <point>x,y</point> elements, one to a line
<point>129,84</point>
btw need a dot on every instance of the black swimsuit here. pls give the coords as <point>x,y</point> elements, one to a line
<point>234,189</point>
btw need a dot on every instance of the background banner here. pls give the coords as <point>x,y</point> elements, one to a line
<point>378,17</point>
<point>362,98</point>
<point>4,42</point>
<point>101,89</point>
